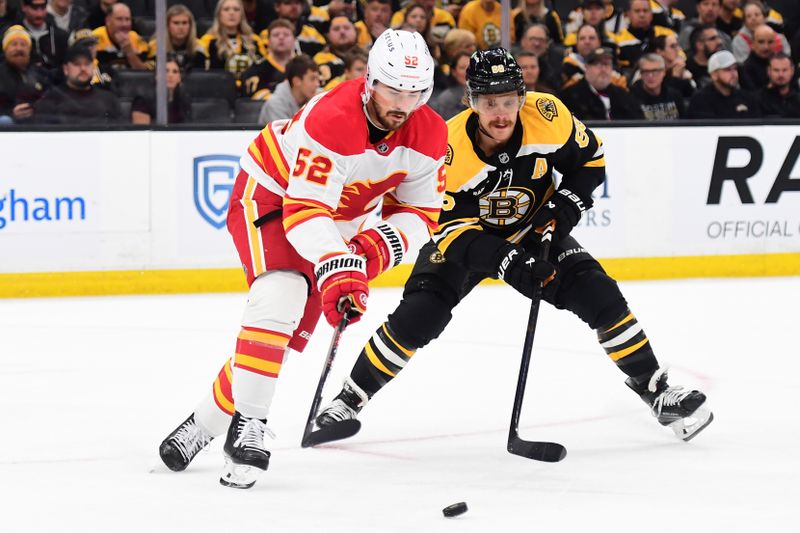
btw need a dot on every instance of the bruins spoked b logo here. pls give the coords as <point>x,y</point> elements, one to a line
<point>504,207</point>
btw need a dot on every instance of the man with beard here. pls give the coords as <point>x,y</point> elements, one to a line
<point>342,39</point>
<point>21,83</point>
<point>723,98</point>
<point>780,98</point>
<point>707,15</point>
<point>76,101</point>
<point>49,42</point>
<point>705,42</point>
<point>324,203</point>
<point>595,98</point>
<point>501,195</point>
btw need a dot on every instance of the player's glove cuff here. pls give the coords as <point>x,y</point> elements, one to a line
<point>338,264</point>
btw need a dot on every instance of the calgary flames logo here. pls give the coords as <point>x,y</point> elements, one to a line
<point>359,197</point>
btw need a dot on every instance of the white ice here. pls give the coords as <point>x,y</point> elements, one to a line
<point>90,386</point>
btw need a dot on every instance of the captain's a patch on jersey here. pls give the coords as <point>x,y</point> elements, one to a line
<point>547,108</point>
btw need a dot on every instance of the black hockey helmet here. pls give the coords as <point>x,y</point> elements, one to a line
<point>493,71</point>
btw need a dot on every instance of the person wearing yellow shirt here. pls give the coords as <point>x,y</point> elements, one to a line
<point>341,40</point>
<point>483,19</point>
<point>230,42</point>
<point>117,45</point>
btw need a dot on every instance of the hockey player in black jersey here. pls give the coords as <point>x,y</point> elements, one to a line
<point>500,188</point>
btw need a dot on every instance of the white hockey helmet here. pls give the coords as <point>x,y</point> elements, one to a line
<point>401,60</point>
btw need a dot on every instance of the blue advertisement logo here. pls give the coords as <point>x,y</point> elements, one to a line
<point>214,176</point>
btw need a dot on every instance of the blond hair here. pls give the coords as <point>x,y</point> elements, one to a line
<point>191,40</point>
<point>225,46</point>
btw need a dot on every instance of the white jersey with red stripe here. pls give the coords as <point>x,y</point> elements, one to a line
<point>332,178</point>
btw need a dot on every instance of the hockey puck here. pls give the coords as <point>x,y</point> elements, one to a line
<point>455,509</point>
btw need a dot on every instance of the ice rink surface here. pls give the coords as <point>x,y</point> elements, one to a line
<point>90,386</point>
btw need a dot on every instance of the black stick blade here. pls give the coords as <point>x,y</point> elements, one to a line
<point>338,431</point>
<point>549,452</point>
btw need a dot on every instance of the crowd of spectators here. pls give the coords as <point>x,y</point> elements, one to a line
<point>92,61</point>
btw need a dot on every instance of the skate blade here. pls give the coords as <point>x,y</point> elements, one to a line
<point>687,428</point>
<point>239,476</point>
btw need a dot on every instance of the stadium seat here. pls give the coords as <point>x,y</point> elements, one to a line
<point>211,84</point>
<point>132,83</point>
<point>139,8</point>
<point>145,26</point>
<point>125,105</point>
<point>210,111</point>
<point>203,24</point>
<point>246,110</point>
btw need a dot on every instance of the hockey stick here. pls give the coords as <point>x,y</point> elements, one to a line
<point>340,430</point>
<point>550,452</point>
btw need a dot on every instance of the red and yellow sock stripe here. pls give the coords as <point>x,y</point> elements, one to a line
<point>260,351</point>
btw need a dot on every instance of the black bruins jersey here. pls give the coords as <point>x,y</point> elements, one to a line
<point>499,194</point>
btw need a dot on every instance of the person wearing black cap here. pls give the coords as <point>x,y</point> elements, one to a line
<point>76,101</point>
<point>595,98</point>
<point>500,198</point>
<point>723,98</point>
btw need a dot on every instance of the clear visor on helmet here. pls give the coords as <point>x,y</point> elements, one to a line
<point>497,104</point>
<point>398,99</point>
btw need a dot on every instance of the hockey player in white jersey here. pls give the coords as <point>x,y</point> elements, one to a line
<point>299,217</point>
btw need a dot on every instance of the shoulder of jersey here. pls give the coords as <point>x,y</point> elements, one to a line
<point>545,116</point>
<point>336,112</point>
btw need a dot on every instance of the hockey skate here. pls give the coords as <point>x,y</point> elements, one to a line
<point>245,454</point>
<point>683,411</point>
<point>183,444</point>
<point>346,406</point>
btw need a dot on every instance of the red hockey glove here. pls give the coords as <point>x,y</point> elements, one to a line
<point>383,246</point>
<point>521,270</point>
<point>342,278</point>
<point>565,208</point>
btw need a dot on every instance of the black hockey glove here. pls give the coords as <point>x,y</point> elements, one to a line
<point>521,270</point>
<point>565,208</point>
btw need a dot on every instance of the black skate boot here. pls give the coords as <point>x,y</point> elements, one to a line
<point>684,411</point>
<point>346,406</point>
<point>180,446</point>
<point>245,454</point>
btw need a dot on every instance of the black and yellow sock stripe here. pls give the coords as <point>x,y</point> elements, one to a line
<point>627,345</point>
<point>380,360</point>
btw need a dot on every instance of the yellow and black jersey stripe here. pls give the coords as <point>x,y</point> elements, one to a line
<point>330,66</point>
<point>499,194</point>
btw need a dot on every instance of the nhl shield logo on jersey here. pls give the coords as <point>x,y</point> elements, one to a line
<point>214,176</point>
<point>383,148</point>
<point>547,108</point>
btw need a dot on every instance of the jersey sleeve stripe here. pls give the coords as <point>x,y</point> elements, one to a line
<point>445,242</point>
<point>253,234</point>
<point>596,163</point>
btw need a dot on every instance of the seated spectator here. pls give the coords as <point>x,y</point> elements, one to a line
<point>614,19</point>
<point>754,69</point>
<point>76,101</point>
<point>678,77</point>
<point>301,84</point>
<point>707,15</point>
<point>441,21</point>
<point>341,41</point>
<point>49,42</point>
<point>705,42</point>
<point>182,43</point>
<point>639,36</point>
<point>574,67</point>
<point>100,77</point>
<point>537,41</point>
<point>722,98</point>
<point>753,18</point>
<point>261,79</point>
<point>780,98</point>
<point>457,41</point>
<point>21,82</point>
<point>309,39</point>
<point>99,12</point>
<point>377,14</point>
<point>595,98</point>
<point>657,100</point>
<point>730,17</point>
<point>355,66</point>
<point>530,12</point>
<point>483,19</point>
<point>118,46</point>
<point>594,15</point>
<point>230,42</point>
<point>529,64</point>
<point>67,16</point>
<point>450,102</point>
<point>179,105</point>
<point>668,16</point>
